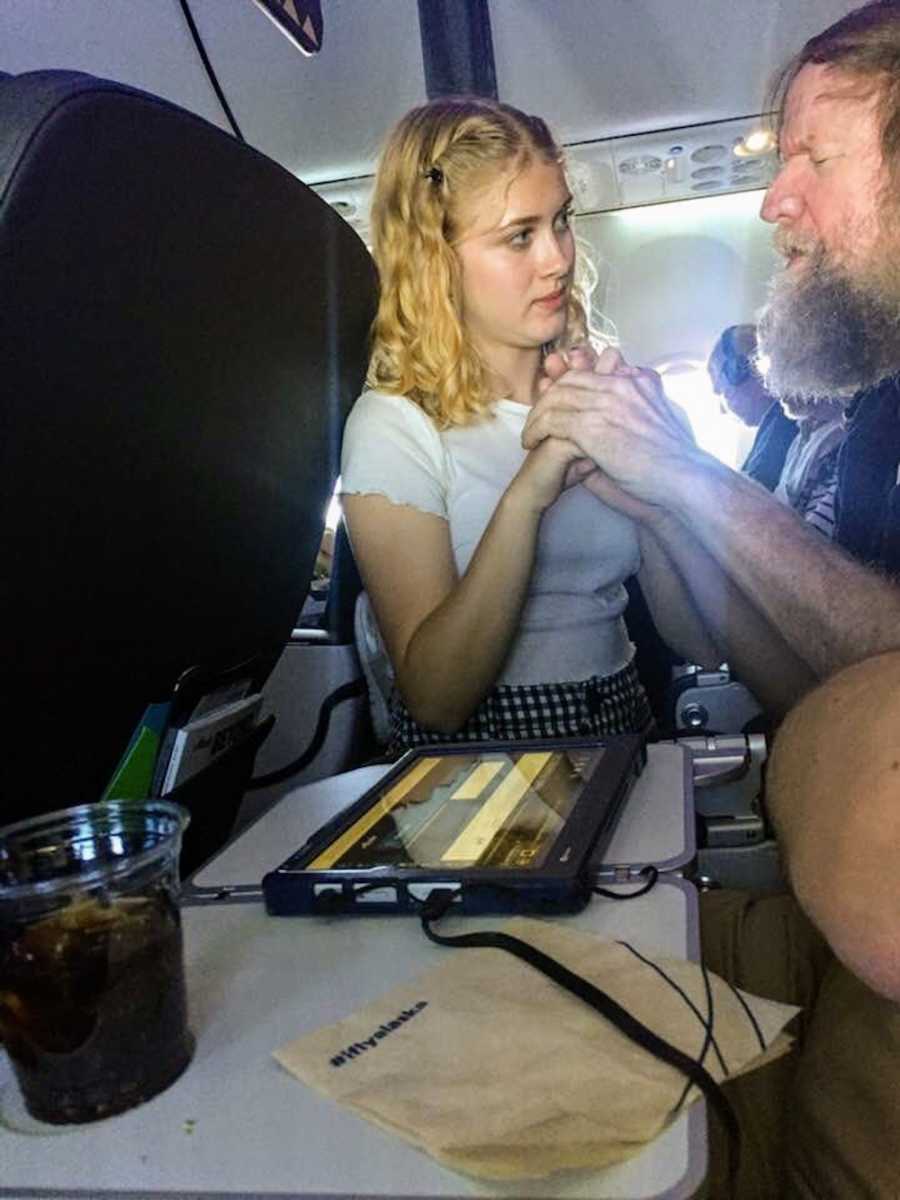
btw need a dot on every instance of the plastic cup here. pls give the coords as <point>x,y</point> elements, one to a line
<point>93,1010</point>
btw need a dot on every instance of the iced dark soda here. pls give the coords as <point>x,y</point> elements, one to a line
<point>92,1004</point>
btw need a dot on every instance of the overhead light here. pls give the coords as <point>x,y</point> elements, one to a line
<point>640,164</point>
<point>760,141</point>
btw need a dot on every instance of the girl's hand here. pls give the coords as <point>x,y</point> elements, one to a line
<point>623,420</point>
<point>551,467</point>
<point>583,357</point>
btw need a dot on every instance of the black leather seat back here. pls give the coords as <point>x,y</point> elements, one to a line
<point>183,329</point>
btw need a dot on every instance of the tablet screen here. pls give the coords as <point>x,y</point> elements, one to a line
<point>497,809</point>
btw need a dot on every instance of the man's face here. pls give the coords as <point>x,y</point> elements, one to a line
<point>826,193</point>
<point>830,327</point>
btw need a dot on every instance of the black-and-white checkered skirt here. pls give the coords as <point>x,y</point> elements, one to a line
<point>588,708</point>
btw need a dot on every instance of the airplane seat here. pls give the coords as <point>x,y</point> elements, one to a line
<point>319,688</point>
<point>654,660</point>
<point>711,702</point>
<point>721,724</point>
<point>376,667</point>
<point>188,329</point>
<point>344,587</point>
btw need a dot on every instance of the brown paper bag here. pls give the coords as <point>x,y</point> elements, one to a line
<point>497,1071</point>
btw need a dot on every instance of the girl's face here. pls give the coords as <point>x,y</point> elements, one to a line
<point>516,255</point>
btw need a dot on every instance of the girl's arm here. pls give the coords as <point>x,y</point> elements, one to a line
<point>674,614</point>
<point>447,637</point>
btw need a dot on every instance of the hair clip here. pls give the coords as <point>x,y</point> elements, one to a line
<point>435,174</point>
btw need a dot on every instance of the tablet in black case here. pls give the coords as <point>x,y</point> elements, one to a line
<point>508,827</point>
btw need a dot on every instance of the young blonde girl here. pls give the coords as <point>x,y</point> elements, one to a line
<point>495,578</point>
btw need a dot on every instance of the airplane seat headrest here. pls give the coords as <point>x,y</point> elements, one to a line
<point>186,332</point>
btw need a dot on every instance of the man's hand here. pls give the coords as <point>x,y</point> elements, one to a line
<point>583,357</point>
<point>611,494</point>
<point>619,417</point>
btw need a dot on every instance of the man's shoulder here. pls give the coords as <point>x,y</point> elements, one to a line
<point>879,402</point>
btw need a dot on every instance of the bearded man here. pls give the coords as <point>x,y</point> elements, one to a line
<point>786,605</point>
<point>831,329</point>
<point>790,602</point>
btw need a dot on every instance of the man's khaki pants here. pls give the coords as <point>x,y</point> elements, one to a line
<point>824,1121</point>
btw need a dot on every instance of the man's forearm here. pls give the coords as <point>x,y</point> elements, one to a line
<point>830,610</point>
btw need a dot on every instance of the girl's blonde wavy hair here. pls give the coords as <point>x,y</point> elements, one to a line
<point>438,156</point>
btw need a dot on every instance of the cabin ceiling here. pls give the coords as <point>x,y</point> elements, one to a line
<point>596,69</point>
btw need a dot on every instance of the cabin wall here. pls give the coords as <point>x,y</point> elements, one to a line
<point>671,278</point>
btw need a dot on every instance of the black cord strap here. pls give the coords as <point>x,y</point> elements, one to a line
<point>706,1022</point>
<point>438,903</point>
<point>208,67</point>
<point>651,874</point>
<point>356,687</point>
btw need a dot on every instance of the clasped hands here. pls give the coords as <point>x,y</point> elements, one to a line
<point>633,441</point>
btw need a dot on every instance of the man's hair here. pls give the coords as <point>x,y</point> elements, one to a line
<point>433,166</point>
<point>864,44</point>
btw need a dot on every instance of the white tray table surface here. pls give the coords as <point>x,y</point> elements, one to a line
<point>238,1125</point>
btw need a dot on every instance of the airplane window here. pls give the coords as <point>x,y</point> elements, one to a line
<point>671,277</point>
<point>688,385</point>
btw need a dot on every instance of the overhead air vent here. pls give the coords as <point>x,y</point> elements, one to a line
<point>626,172</point>
<point>708,154</point>
<point>346,208</point>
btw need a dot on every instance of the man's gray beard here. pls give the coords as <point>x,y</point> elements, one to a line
<point>827,337</point>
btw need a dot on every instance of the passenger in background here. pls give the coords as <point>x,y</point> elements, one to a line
<point>734,376</point>
<point>796,450</point>
<point>497,580</point>
<point>796,455</point>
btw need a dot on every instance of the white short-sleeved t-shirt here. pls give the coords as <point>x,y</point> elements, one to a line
<point>571,626</point>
